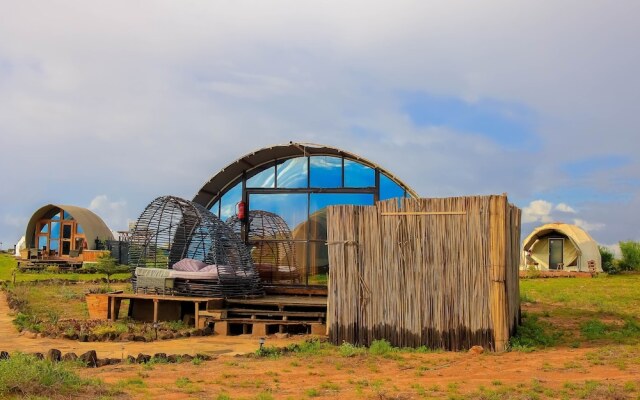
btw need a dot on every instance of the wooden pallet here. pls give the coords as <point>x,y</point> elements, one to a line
<point>262,327</point>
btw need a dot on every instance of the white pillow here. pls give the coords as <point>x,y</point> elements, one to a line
<point>189,264</point>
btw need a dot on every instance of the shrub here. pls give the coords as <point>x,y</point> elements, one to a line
<point>107,265</point>
<point>25,376</point>
<point>609,264</point>
<point>381,348</point>
<point>593,329</point>
<point>531,334</point>
<point>630,256</point>
<point>350,350</point>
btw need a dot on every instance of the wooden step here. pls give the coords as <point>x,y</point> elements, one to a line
<point>266,313</point>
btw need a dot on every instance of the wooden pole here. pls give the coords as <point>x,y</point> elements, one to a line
<point>497,257</point>
<point>155,310</point>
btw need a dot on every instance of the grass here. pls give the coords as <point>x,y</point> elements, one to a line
<point>25,376</point>
<point>8,264</point>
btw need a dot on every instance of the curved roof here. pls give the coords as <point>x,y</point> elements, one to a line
<point>588,248</point>
<point>93,225</point>
<point>218,184</point>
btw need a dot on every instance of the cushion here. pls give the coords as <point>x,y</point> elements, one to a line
<point>189,264</point>
<point>152,272</point>
<point>210,268</point>
<point>194,275</point>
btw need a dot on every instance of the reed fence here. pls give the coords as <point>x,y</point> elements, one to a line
<point>436,272</point>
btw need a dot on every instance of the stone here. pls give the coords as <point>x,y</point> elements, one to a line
<point>39,356</point>
<point>83,337</point>
<point>127,337</point>
<point>204,357</point>
<point>138,338</point>
<point>143,358</point>
<point>90,358</point>
<point>54,355</point>
<point>476,350</point>
<point>93,338</point>
<point>172,358</point>
<point>114,361</point>
<point>4,355</point>
<point>101,362</point>
<point>131,360</point>
<point>166,336</point>
<point>186,358</point>
<point>30,335</point>
<point>160,356</point>
<point>69,357</point>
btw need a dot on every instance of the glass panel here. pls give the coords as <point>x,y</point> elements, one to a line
<point>326,172</point>
<point>54,245</point>
<point>42,242</point>
<point>319,263</point>
<point>45,228</point>
<point>79,229</point>
<point>67,216</point>
<point>264,179</point>
<point>276,262</point>
<point>358,175</point>
<point>66,231</point>
<point>66,246</point>
<point>293,173</point>
<point>215,209</point>
<point>292,207</point>
<point>55,230</point>
<point>318,212</point>
<point>56,216</point>
<point>389,189</point>
<point>229,201</point>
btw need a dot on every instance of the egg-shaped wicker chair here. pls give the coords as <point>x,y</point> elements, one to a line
<point>171,231</point>
<point>272,246</point>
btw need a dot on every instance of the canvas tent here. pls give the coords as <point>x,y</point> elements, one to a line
<point>560,246</point>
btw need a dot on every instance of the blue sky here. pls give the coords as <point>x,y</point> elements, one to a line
<point>109,107</point>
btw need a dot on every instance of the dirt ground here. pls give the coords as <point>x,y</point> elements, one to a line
<point>540,374</point>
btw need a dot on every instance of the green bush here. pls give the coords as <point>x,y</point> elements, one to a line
<point>107,265</point>
<point>609,263</point>
<point>593,329</point>
<point>532,334</point>
<point>630,256</point>
<point>350,350</point>
<point>25,376</point>
<point>381,348</point>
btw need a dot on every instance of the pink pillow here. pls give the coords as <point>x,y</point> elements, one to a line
<point>188,264</point>
<point>209,268</point>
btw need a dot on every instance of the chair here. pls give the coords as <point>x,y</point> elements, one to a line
<point>74,253</point>
<point>33,254</point>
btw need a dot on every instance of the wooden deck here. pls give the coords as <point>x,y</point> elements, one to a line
<point>64,264</point>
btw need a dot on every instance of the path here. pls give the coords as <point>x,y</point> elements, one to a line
<point>11,341</point>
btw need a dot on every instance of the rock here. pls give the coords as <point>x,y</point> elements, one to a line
<point>112,336</point>
<point>177,335</point>
<point>187,334</point>
<point>166,336</point>
<point>160,356</point>
<point>72,336</point>
<point>138,338</point>
<point>127,337</point>
<point>131,360</point>
<point>69,357</point>
<point>204,357</point>
<point>54,355</point>
<point>476,350</point>
<point>93,338</point>
<point>29,334</point>
<point>83,337</point>
<point>4,355</point>
<point>101,362</point>
<point>143,358</point>
<point>281,335</point>
<point>172,358</point>
<point>196,332</point>
<point>39,356</point>
<point>114,361</point>
<point>186,358</point>
<point>90,358</point>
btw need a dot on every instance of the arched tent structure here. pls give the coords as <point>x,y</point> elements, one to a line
<point>60,229</point>
<point>296,182</point>
<point>561,246</point>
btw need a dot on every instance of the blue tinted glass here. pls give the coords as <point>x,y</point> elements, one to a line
<point>66,215</point>
<point>264,179</point>
<point>56,217</point>
<point>326,172</point>
<point>229,201</point>
<point>389,189</point>
<point>318,210</point>
<point>293,173</point>
<point>55,230</point>
<point>42,242</point>
<point>79,229</point>
<point>45,228</point>
<point>215,208</point>
<point>53,245</point>
<point>358,175</point>
<point>292,207</point>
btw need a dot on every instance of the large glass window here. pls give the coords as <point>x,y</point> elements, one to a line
<point>358,175</point>
<point>292,207</point>
<point>389,189</point>
<point>264,179</point>
<point>292,173</point>
<point>229,201</point>
<point>326,172</point>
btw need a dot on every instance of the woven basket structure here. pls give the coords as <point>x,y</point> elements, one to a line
<point>171,229</point>
<point>272,246</point>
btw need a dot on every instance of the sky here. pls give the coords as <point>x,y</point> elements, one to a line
<point>108,105</point>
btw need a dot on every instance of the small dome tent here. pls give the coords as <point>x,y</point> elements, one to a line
<point>202,253</point>
<point>558,246</point>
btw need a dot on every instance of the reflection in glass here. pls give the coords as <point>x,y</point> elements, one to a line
<point>389,189</point>
<point>66,231</point>
<point>358,175</point>
<point>292,207</point>
<point>318,263</point>
<point>67,216</point>
<point>56,216</point>
<point>53,245</point>
<point>45,228</point>
<point>229,201</point>
<point>264,179</point>
<point>318,211</point>
<point>215,209</point>
<point>293,173</point>
<point>42,242</point>
<point>79,229</point>
<point>55,230</point>
<point>66,246</point>
<point>326,172</point>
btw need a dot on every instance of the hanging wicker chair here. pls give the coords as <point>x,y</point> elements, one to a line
<point>272,244</point>
<point>171,231</point>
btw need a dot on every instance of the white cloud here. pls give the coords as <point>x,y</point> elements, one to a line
<point>537,211</point>
<point>114,213</point>
<point>614,248</point>
<point>562,207</point>
<point>588,226</point>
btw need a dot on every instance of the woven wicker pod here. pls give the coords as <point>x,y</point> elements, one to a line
<point>171,229</point>
<point>272,246</point>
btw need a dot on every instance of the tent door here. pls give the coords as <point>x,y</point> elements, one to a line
<point>555,253</point>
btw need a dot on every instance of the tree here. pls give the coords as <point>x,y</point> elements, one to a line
<point>107,265</point>
<point>630,256</point>
<point>609,264</point>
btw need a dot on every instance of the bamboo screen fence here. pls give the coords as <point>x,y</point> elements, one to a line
<point>436,272</point>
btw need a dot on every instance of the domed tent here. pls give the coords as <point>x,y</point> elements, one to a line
<point>558,246</point>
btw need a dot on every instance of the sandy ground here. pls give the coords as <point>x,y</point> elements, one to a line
<point>437,375</point>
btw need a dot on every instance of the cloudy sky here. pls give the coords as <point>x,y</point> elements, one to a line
<point>110,104</point>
